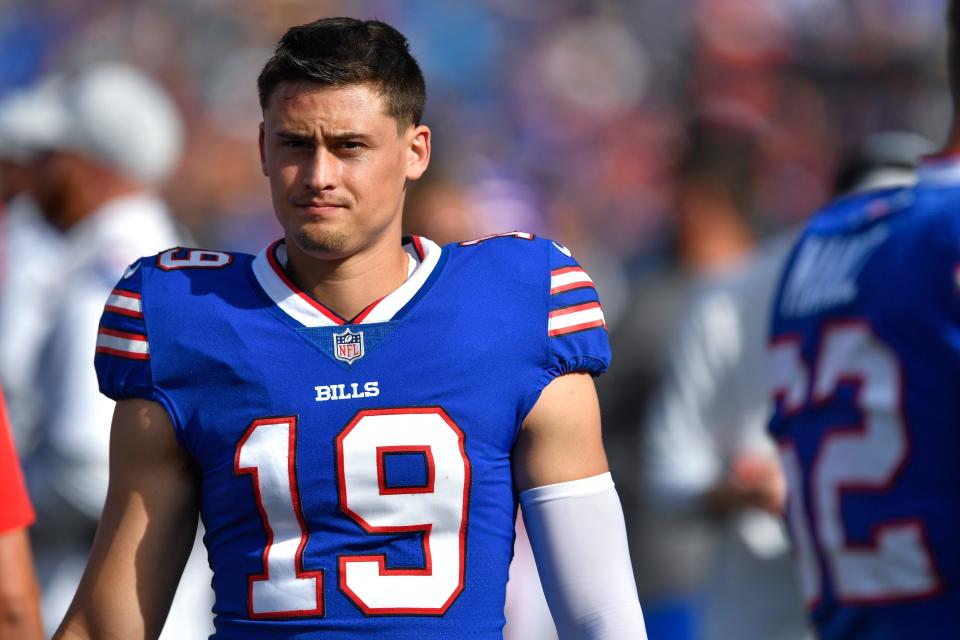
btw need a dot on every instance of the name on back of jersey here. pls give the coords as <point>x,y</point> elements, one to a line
<point>825,271</point>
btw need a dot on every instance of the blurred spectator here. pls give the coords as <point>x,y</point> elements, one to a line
<point>19,594</point>
<point>710,466</point>
<point>102,138</point>
<point>714,234</point>
<point>29,250</point>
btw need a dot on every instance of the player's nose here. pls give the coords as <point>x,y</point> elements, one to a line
<point>322,171</point>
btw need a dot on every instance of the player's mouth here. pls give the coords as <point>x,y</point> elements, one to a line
<point>320,208</point>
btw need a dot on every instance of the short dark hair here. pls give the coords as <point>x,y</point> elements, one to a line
<point>345,51</point>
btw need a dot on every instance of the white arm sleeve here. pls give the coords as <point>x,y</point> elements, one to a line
<point>579,541</point>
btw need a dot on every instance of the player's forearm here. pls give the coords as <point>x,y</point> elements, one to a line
<point>101,610</point>
<point>145,533</point>
<point>93,621</point>
<point>76,627</point>
<point>129,584</point>
<point>19,595</point>
<point>579,540</point>
<point>120,600</point>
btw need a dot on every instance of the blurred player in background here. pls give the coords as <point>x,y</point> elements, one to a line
<point>864,371</point>
<point>357,462</point>
<point>715,235</point>
<point>29,247</point>
<point>708,456</point>
<point>19,593</point>
<point>99,141</point>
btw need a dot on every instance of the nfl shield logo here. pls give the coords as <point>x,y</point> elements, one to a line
<point>348,346</point>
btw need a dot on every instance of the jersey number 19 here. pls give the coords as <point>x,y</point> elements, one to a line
<point>437,511</point>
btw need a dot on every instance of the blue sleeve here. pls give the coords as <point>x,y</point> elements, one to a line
<point>123,355</point>
<point>576,330</point>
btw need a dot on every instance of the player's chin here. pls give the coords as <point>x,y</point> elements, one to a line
<point>320,241</point>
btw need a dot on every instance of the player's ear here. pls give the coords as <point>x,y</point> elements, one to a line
<point>418,151</point>
<point>263,154</point>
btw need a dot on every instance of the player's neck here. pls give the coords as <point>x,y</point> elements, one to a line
<point>349,285</point>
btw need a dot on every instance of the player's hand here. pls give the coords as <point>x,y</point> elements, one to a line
<point>754,481</point>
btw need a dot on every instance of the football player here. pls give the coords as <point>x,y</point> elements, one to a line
<point>355,415</point>
<point>865,357</point>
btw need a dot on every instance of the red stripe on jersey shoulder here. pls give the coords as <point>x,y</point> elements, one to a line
<point>593,324</point>
<point>587,321</point>
<point>130,355</point>
<point>124,312</point>
<point>132,313</point>
<point>133,346</point>
<point>576,278</point>
<point>562,311</point>
<point>122,334</point>
<point>126,294</point>
<point>570,287</point>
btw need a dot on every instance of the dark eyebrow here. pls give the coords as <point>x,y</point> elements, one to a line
<point>348,135</point>
<point>289,135</point>
<point>338,137</point>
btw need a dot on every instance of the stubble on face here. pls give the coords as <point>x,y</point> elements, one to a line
<point>313,241</point>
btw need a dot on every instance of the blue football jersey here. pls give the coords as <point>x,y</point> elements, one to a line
<point>865,357</point>
<point>355,475</point>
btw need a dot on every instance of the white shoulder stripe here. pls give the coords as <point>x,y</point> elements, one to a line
<point>576,318</point>
<point>121,343</point>
<point>125,302</point>
<point>567,279</point>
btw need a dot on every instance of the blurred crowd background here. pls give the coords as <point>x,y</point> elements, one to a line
<point>661,140</point>
<point>569,116</point>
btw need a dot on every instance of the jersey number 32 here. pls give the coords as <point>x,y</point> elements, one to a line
<point>852,458</point>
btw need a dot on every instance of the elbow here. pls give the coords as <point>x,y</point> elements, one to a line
<point>20,616</point>
<point>614,621</point>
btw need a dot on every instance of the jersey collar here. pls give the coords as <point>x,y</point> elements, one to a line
<point>268,269</point>
<point>939,170</point>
